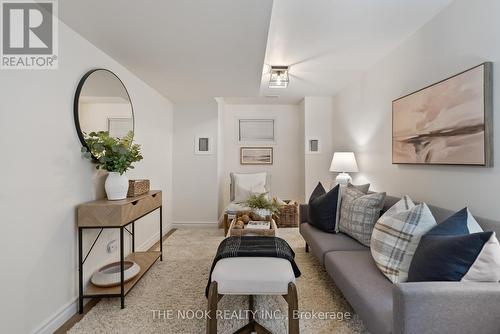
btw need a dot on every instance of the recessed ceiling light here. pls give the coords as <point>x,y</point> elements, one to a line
<point>279,77</point>
<point>272,96</point>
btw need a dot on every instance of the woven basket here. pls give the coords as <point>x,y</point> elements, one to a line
<point>288,216</point>
<point>137,187</point>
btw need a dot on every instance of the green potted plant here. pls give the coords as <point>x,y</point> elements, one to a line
<point>261,204</point>
<point>115,155</point>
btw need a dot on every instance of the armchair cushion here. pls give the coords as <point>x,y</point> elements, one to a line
<point>245,185</point>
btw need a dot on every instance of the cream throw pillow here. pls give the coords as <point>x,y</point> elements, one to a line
<point>247,185</point>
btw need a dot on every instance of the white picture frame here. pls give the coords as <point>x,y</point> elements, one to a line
<point>313,145</point>
<point>203,145</point>
<point>261,131</point>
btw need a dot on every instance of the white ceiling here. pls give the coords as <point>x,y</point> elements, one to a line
<point>328,43</point>
<point>197,49</point>
<point>185,49</point>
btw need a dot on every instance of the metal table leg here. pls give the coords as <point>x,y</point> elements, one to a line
<point>80,271</point>
<point>161,233</point>
<point>122,285</point>
<point>133,236</point>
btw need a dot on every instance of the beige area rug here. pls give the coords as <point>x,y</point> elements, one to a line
<point>176,288</point>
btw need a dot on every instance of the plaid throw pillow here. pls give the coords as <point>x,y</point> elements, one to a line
<point>396,236</point>
<point>359,212</point>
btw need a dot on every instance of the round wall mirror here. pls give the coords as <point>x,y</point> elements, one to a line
<point>102,103</point>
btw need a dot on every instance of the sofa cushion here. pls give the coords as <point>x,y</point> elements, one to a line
<point>468,257</point>
<point>322,243</point>
<point>396,236</point>
<point>359,213</point>
<point>323,208</point>
<point>364,286</point>
<point>361,187</point>
<point>461,222</point>
<point>457,250</point>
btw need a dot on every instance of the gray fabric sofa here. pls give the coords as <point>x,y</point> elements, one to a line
<point>423,307</point>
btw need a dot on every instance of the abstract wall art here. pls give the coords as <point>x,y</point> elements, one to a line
<point>447,123</point>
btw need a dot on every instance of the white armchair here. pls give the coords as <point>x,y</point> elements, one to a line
<point>242,186</point>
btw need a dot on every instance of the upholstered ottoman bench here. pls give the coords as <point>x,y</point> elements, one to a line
<point>253,276</point>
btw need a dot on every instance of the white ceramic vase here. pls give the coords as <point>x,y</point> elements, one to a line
<point>116,186</point>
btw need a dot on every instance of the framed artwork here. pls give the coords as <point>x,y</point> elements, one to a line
<point>203,145</point>
<point>447,123</point>
<point>256,155</point>
<point>313,145</point>
<point>256,130</point>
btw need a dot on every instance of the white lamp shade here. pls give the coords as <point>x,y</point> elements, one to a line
<point>344,162</point>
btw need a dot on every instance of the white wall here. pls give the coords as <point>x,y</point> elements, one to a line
<point>465,34</point>
<point>318,118</point>
<point>220,153</point>
<point>44,178</point>
<point>302,135</point>
<point>195,181</point>
<point>287,171</point>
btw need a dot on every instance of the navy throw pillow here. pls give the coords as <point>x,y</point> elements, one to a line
<point>462,222</point>
<point>446,258</point>
<point>323,207</point>
<point>451,251</point>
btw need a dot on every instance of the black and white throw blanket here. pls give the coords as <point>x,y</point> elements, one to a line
<point>254,246</point>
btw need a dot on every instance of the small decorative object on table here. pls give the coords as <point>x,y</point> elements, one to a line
<point>261,205</point>
<point>115,155</point>
<point>109,275</point>
<point>137,187</point>
<point>250,223</point>
<point>259,225</point>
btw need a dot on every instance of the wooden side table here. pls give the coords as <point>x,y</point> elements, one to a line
<point>104,214</point>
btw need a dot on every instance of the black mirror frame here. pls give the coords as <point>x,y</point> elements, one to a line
<point>76,105</point>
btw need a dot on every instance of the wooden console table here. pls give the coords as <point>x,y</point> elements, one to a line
<point>104,214</point>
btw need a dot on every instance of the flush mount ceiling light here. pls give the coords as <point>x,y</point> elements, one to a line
<point>279,77</point>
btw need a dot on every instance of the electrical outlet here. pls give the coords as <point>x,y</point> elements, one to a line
<point>111,246</point>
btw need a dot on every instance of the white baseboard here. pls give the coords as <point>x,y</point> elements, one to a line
<point>51,324</point>
<point>187,224</point>
<point>154,238</point>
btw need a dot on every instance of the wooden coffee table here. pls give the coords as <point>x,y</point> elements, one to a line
<point>233,232</point>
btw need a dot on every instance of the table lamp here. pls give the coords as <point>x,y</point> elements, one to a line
<point>342,163</point>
